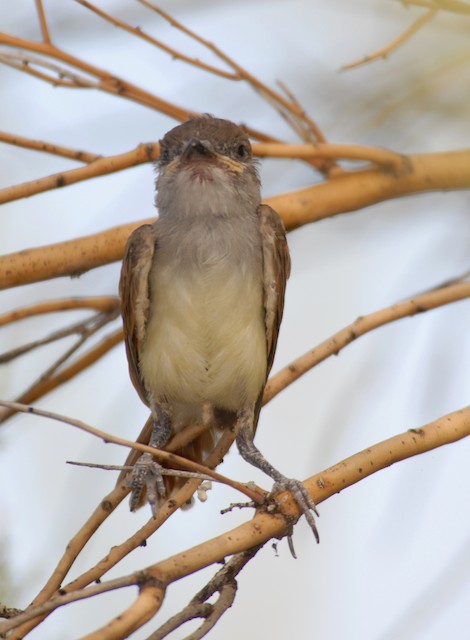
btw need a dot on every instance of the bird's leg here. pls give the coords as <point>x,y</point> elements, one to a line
<point>147,472</point>
<point>250,452</point>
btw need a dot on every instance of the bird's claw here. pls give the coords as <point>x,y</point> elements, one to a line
<point>146,474</point>
<point>303,499</point>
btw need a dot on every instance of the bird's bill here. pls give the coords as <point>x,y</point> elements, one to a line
<point>198,150</point>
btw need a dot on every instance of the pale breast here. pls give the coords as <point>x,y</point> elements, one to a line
<point>205,335</point>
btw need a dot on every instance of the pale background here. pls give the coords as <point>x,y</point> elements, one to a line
<point>394,558</point>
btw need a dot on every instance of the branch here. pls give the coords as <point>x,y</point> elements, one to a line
<point>364,324</point>
<point>291,111</point>
<point>170,459</point>
<point>345,193</point>
<point>117,552</point>
<point>103,304</point>
<point>83,328</point>
<point>149,152</point>
<point>42,19</point>
<point>103,165</point>
<point>61,599</point>
<point>385,51</point>
<point>225,584</point>
<point>261,528</point>
<point>47,147</point>
<point>455,6</point>
<point>104,80</point>
<point>352,191</point>
<point>43,386</point>
<point>140,33</point>
<point>264,526</point>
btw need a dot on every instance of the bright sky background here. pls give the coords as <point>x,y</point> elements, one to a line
<point>394,558</point>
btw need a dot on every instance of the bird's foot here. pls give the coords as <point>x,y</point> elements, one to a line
<point>146,474</point>
<point>302,497</point>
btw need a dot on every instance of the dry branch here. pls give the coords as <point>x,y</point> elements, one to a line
<point>47,147</point>
<point>104,80</point>
<point>99,167</point>
<point>117,552</point>
<point>364,324</point>
<point>450,428</point>
<point>345,193</point>
<point>448,293</point>
<point>104,304</point>
<point>391,175</point>
<point>385,51</point>
<point>165,457</point>
<point>264,526</point>
<point>454,6</point>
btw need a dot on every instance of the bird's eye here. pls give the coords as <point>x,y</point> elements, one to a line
<point>242,151</point>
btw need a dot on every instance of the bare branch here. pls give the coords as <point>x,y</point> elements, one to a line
<point>84,328</point>
<point>42,19</point>
<point>170,459</point>
<point>61,599</point>
<point>224,582</point>
<point>140,33</point>
<point>455,6</point>
<point>364,324</point>
<point>384,52</point>
<point>60,77</point>
<point>104,80</point>
<point>47,147</point>
<point>101,166</point>
<point>149,152</point>
<point>284,107</point>
<point>264,526</point>
<point>345,193</point>
<point>44,386</point>
<point>261,528</point>
<point>118,552</point>
<point>173,473</point>
<point>104,304</point>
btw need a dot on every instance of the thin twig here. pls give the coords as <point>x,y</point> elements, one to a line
<point>384,52</point>
<point>105,81</point>
<point>105,507</point>
<point>170,459</point>
<point>140,33</point>
<point>62,77</point>
<point>62,599</point>
<point>364,324</point>
<point>85,328</point>
<point>104,304</point>
<point>173,473</point>
<point>150,151</point>
<point>454,6</point>
<point>264,526</point>
<point>274,98</point>
<point>43,22</point>
<point>47,147</point>
<point>45,386</point>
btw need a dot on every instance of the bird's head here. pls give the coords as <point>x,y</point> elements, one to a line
<point>206,164</point>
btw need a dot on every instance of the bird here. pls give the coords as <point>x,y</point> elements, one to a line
<point>202,297</point>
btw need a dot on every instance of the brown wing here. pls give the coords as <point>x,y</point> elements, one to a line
<point>276,270</point>
<point>134,292</point>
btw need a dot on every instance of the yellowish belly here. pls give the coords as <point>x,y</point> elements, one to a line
<point>205,338</point>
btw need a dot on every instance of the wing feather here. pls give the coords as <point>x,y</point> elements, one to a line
<point>135,298</point>
<point>276,270</point>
